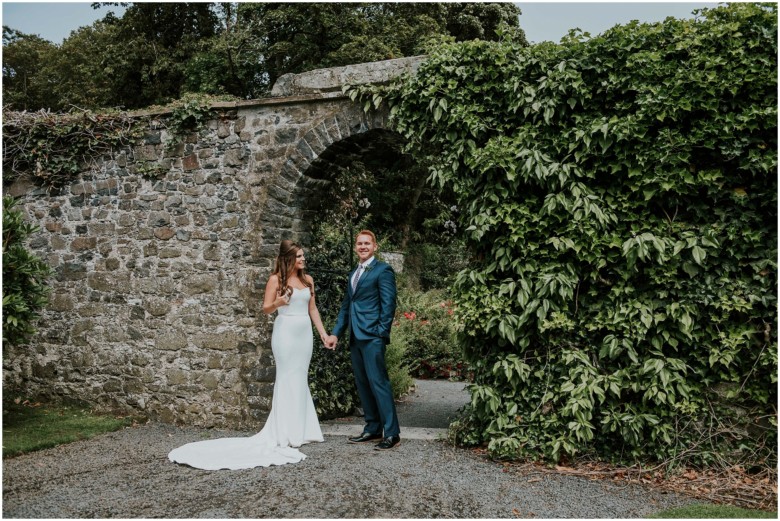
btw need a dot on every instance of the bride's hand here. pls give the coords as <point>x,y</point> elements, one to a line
<point>282,300</point>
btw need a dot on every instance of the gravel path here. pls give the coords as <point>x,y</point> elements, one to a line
<point>126,474</point>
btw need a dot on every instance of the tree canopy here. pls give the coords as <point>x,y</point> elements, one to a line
<point>156,52</point>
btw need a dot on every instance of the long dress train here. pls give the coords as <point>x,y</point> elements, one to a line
<point>293,419</point>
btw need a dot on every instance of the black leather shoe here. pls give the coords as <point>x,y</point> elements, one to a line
<point>388,443</point>
<point>366,436</point>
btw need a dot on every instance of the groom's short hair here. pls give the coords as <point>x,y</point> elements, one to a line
<point>366,232</point>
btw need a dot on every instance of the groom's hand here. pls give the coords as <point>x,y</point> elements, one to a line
<point>331,341</point>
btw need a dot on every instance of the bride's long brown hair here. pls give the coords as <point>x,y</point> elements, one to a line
<point>285,266</point>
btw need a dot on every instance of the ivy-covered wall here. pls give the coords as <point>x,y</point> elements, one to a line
<point>620,196</point>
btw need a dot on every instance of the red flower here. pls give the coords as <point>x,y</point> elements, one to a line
<point>410,315</point>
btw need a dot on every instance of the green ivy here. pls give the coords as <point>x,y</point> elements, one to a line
<point>25,291</point>
<point>54,148</point>
<point>189,114</point>
<point>620,195</point>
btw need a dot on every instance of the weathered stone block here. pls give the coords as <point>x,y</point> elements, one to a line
<point>164,233</point>
<point>133,385</point>
<point>83,243</point>
<point>209,381</point>
<point>112,263</point>
<point>247,347</point>
<point>176,377</point>
<point>60,302</point>
<point>71,271</point>
<point>226,397</point>
<point>225,341</point>
<point>113,385</point>
<point>114,282</point>
<point>150,250</point>
<point>200,283</point>
<point>235,157</point>
<point>157,307</point>
<point>190,162</point>
<point>157,219</point>
<point>264,374</point>
<point>171,341</point>
<point>169,253</point>
<point>146,153</point>
<point>58,243</point>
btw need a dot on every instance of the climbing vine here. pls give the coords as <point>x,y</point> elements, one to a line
<point>54,148</point>
<point>620,193</point>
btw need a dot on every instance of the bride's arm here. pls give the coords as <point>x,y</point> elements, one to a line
<point>314,313</point>
<point>272,300</point>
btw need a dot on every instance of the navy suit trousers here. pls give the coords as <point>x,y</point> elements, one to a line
<point>373,385</point>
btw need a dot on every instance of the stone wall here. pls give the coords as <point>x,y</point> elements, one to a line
<point>161,254</point>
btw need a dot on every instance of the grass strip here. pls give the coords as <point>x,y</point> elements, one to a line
<point>30,426</point>
<point>701,511</point>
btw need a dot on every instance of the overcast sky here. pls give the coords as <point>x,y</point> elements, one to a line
<point>541,20</point>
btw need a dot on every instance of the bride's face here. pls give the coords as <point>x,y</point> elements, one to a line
<point>300,260</point>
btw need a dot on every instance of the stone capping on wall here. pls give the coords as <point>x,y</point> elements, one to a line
<point>288,100</point>
<point>333,79</point>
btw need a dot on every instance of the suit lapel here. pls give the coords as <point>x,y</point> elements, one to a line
<point>366,273</point>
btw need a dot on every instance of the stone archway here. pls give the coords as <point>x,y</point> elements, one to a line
<point>156,301</point>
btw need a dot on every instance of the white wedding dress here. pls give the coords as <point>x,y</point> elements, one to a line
<point>293,419</point>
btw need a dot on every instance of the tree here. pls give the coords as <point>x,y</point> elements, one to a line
<point>85,71</point>
<point>155,43</point>
<point>155,52</point>
<point>24,55</point>
<point>303,36</point>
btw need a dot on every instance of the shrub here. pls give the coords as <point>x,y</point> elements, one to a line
<point>24,277</point>
<point>426,323</point>
<point>620,196</point>
<point>395,356</point>
<point>434,265</point>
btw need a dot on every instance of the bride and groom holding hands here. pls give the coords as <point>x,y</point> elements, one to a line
<point>367,312</point>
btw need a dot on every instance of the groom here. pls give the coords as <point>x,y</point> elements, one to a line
<point>367,311</point>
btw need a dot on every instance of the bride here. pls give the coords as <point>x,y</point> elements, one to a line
<point>293,419</point>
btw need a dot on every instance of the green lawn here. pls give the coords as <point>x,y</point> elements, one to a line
<point>702,511</point>
<point>30,427</point>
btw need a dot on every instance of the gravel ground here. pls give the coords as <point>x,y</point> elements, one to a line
<point>126,474</point>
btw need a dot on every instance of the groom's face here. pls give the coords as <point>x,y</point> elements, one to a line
<point>364,247</point>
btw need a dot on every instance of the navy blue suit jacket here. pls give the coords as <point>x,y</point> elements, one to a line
<point>369,311</point>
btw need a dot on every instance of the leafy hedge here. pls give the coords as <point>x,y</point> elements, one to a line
<point>621,195</point>
<point>25,291</point>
